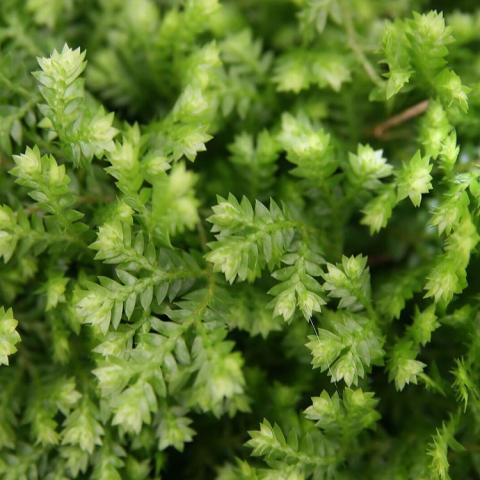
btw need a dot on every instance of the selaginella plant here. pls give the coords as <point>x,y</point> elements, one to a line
<point>238,239</point>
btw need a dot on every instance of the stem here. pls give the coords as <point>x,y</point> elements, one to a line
<point>15,87</point>
<point>402,117</point>
<point>355,45</point>
<point>202,235</point>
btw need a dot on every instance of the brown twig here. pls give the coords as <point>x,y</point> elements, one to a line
<point>380,260</point>
<point>402,117</point>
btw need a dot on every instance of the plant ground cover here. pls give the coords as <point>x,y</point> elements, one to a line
<point>239,239</point>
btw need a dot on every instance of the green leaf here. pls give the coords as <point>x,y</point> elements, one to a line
<point>348,348</point>
<point>367,167</point>
<point>297,287</point>
<point>345,417</point>
<point>9,336</point>
<point>307,147</point>
<point>248,238</point>
<point>84,129</point>
<point>414,179</point>
<point>350,282</point>
<point>174,430</point>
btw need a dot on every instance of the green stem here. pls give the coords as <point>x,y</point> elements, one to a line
<point>354,45</point>
<point>15,87</point>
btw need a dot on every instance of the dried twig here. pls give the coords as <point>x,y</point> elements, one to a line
<point>411,112</point>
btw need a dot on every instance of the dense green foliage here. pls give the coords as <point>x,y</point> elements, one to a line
<point>238,239</point>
